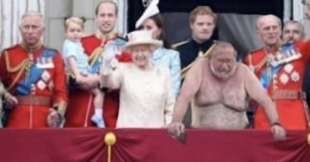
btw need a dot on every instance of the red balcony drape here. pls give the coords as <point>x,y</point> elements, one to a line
<point>150,145</point>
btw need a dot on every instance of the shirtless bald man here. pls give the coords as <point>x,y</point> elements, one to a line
<point>219,89</point>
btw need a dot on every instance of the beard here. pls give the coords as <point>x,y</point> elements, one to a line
<point>223,74</point>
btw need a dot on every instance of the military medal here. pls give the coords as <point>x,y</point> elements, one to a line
<point>41,85</point>
<point>288,68</point>
<point>33,88</point>
<point>279,56</point>
<point>50,86</point>
<point>295,76</point>
<point>49,63</point>
<point>45,63</point>
<point>284,78</point>
<point>45,76</point>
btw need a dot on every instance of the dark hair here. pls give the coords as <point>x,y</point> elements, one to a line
<point>159,21</point>
<point>106,1</point>
<point>299,24</point>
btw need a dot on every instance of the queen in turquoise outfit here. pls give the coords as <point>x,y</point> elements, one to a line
<point>164,56</point>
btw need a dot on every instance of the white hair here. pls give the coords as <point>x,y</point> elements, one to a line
<point>30,14</point>
<point>270,16</point>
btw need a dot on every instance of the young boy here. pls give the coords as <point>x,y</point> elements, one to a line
<point>77,62</point>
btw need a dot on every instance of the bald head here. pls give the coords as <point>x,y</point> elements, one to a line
<point>269,30</point>
<point>222,48</point>
<point>262,20</point>
<point>223,60</point>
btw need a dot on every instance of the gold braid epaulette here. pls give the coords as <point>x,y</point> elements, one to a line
<point>205,55</point>
<point>18,68</point>
<point>258,66</point>
<point>94,55</point>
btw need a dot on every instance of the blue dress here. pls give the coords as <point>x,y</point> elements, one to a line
<point>170,59</point>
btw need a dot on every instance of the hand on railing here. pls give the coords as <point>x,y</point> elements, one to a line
<point>177,130</point>
<point>279,133</point>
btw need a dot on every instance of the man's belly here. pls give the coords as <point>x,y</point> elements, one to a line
<point>218,116</point>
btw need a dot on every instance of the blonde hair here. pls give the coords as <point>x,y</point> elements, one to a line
<point>201,10</point>
<point>75,20</point>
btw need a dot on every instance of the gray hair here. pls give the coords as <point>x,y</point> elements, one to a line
<point>220,46</point>
<point>30,14</point>
<point>260,18</point>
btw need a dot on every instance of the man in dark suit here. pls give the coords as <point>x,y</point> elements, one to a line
<point>202,23</point>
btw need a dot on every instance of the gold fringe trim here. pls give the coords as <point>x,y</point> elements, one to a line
<point>95,55</point>
<point>205,55</point>
<point>18,68</point>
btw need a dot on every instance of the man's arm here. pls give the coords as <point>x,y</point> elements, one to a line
<point>60,96</point>
<point>189,88</point>
<point>257,92</point>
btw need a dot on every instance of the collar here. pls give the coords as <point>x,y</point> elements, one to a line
<point>106,37</point>
<point>158,53</point>
<point>33,48</point>
<point>204,46</point>
<point>273,49</point>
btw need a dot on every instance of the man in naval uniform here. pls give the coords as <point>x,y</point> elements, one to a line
<point>202,23</point>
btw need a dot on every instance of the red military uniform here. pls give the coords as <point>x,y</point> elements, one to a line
<point>48,91</point>
<point>80,108</point>
<point>285,88</point>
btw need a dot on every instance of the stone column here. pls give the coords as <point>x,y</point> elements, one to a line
<point>56,12</point>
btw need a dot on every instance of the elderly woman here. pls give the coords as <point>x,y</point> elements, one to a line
<point>220,89</point>
<point>146,97</point>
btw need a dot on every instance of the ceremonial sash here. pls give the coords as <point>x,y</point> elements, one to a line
<point>110,49</point>
<point>267,74</point>
<point>24,86</point>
